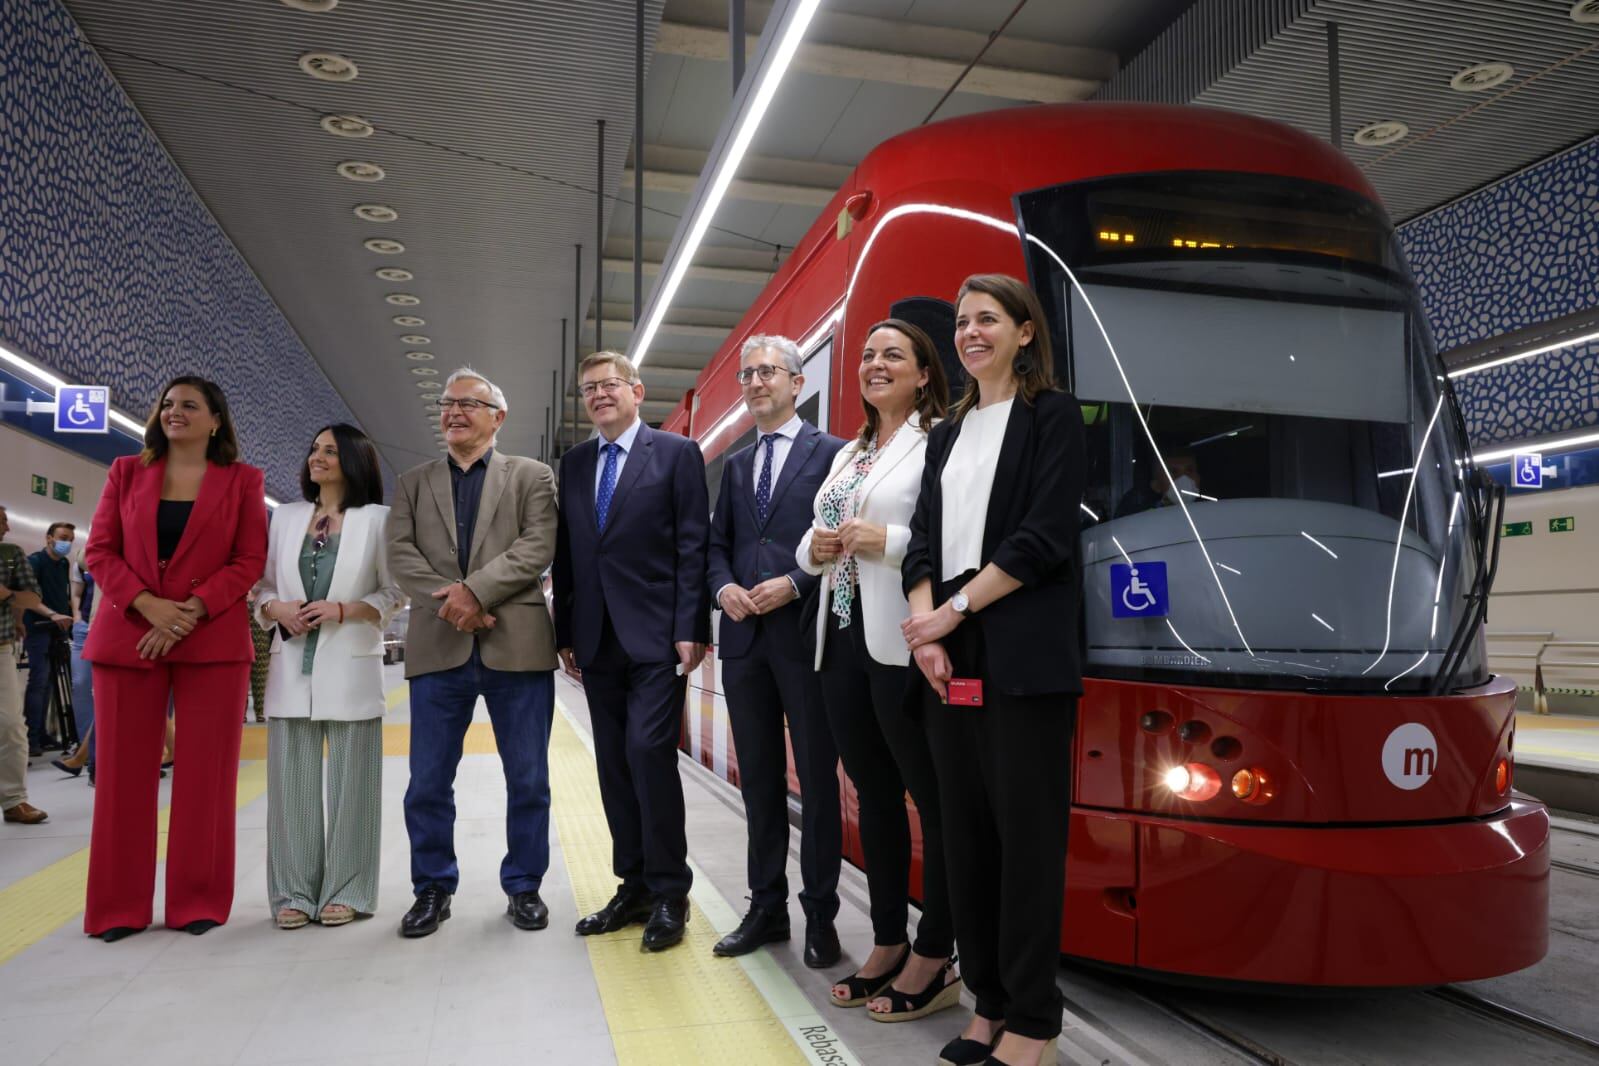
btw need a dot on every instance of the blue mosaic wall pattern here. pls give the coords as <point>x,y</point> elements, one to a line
<point>1513,255</point>
<point>111,269</point>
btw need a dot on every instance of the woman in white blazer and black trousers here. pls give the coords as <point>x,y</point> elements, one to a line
<point>327,594</point>
<point>856,543</point>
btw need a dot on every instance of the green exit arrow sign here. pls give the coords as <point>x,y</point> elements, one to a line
<point>1518,529</point>
<point>1567,524</point>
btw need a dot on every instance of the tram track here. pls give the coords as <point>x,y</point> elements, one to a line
<point>1574,867</point>
<point>1504,1014</point>
<point>1216,1032</point>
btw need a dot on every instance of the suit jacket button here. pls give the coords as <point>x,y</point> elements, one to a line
<point>765,540</point>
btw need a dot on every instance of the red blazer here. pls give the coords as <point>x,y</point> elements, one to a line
<point>221,555</point>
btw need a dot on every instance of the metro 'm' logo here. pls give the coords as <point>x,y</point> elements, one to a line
<point>1410,756</point>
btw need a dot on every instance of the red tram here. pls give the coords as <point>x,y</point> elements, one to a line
<point>1292,764</point>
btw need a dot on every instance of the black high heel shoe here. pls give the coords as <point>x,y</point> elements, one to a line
<point>908,1006</point>
<point>864,989</point>
<point>964,1052</point>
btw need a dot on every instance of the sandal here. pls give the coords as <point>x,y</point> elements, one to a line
<point>337,914</point>
<point>863,989</point>
<point>289,918</point>
<point>908,1006</point>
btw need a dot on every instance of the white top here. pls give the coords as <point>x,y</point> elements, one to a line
<point>629,435</point>
<point>967,482</point>
<point>780,448</point>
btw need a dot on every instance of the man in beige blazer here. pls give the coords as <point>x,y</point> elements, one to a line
<point>468,537</point>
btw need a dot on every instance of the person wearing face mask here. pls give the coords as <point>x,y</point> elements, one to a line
<point>1161,490</point>
<point>326,595</point>
<point>994,580</point>
<point>179,537</point>
<point>856,544</point>
<point>53,570</point>
<point>632,619</point>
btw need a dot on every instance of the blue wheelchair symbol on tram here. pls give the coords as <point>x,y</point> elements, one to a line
<point>1138,591</point>
<point>1528,467</point>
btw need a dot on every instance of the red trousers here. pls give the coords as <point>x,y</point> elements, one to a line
<point>130,726</point>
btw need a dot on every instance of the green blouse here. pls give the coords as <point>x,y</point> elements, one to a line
<point>316,572</point>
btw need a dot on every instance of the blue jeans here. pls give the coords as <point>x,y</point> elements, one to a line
<point>522,709</point>
<point>36,703</point>
<point>82,689</point>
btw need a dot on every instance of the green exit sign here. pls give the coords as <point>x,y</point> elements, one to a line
<point>1518,529</point>
<point>1567,524</point>
<point>41,485</point>
<point>62,492</point>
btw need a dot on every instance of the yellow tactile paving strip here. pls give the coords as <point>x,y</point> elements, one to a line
<point>677,1006</point>
<point>42,902</point>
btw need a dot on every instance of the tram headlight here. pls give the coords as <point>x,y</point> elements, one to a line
<point>1252,785</point>
<point>1193,781</point>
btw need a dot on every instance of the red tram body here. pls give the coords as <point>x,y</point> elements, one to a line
<point>1327,863</point>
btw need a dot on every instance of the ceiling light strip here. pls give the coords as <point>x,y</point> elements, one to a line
<point>1556,444</point>
<point>785,29</point>
<point>1516,357</point>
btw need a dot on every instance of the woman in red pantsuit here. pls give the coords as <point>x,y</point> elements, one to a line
<point>179,537</point>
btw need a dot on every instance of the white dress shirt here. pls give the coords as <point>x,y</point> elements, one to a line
<point>780,449</point>
<point>967,482</point>
<point>629,435</point>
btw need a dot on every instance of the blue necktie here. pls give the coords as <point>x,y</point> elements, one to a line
<point>602,499</point>
<point>763,486</point>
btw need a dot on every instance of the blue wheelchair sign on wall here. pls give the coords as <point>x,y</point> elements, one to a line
<point>1528,469</point>
<point>83,409</point>
<point>1138,591</point>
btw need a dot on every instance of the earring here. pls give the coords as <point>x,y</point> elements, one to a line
<point>213,431</point>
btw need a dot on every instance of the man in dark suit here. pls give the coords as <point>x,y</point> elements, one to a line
<point>632,619</point>
<point>763,508</point>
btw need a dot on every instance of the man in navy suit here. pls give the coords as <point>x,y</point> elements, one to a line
<point>632,619</point>
<point>762,510</point>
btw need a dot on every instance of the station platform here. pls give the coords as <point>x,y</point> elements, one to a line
<point>482,992</point>
<point>1557,760</point>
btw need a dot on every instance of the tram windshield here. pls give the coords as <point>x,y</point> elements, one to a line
<point>1277,488</point>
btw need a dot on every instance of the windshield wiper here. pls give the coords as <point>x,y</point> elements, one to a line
<point>1488,512</point>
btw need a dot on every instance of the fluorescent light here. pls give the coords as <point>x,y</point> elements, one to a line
<point>1519,356</point>
<point>270,502</point>
<point>44,377</point>
<point>1557,444</point>
<point>771,76</point>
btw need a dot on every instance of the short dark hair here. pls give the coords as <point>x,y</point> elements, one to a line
<point>223,447</point>
<point>60,525</point>
<point>932,401</point>
<point>358,458</point>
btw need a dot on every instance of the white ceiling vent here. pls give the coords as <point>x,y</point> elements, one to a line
<point>383,246</point>
<point>429,385</point>
<point>394,274</point>
<point>424,371</point>
<point>420,357</point>
<point>351,126</point>
<point>415,338</point>
<point>355,170</point>
<point>1378,134</point>
<point>403,299</point>
<point>317,6</point>
<point>1585,11</point>
<point>408,321</point>
<point>376,213</point>
<point>1482,77</point>
<point>329,66</point>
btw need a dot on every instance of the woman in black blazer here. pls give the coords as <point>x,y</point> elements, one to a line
<point>993,577</point>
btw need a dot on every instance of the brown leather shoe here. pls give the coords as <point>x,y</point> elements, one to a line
<point>25,814</point>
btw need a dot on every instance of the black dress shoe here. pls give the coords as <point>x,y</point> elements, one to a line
<point>760,926</point>
<point>527,911</point>
<point>821,944</point>
<point>117,932</point>
<point>628,907</point>
<point>432,907</point>
<point>201,926</point>
<point>667,924</point>
<point>62,765</point>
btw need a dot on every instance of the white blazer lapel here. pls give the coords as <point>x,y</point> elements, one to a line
<point>295,518</point>
<point>352,553</point>
<point>902,445</point>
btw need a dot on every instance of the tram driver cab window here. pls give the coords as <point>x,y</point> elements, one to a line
<point>1275,458</point>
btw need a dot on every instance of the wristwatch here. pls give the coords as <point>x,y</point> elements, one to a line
<point>962,605</point>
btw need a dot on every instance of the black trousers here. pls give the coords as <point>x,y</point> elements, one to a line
<point>637,715</point>
<point>763,687</point>
<point>1004,780</point>
<point>885,753</point>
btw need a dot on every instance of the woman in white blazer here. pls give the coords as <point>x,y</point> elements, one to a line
<point>327,595</point>
<point>863,513</point>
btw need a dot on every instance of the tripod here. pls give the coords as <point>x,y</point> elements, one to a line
<point>60,710</point>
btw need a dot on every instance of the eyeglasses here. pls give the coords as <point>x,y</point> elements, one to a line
<point>765,372</point>
<point>610,386</point>
<point>468,406</point>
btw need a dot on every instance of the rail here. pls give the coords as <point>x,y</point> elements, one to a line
<point>1545,641</point>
